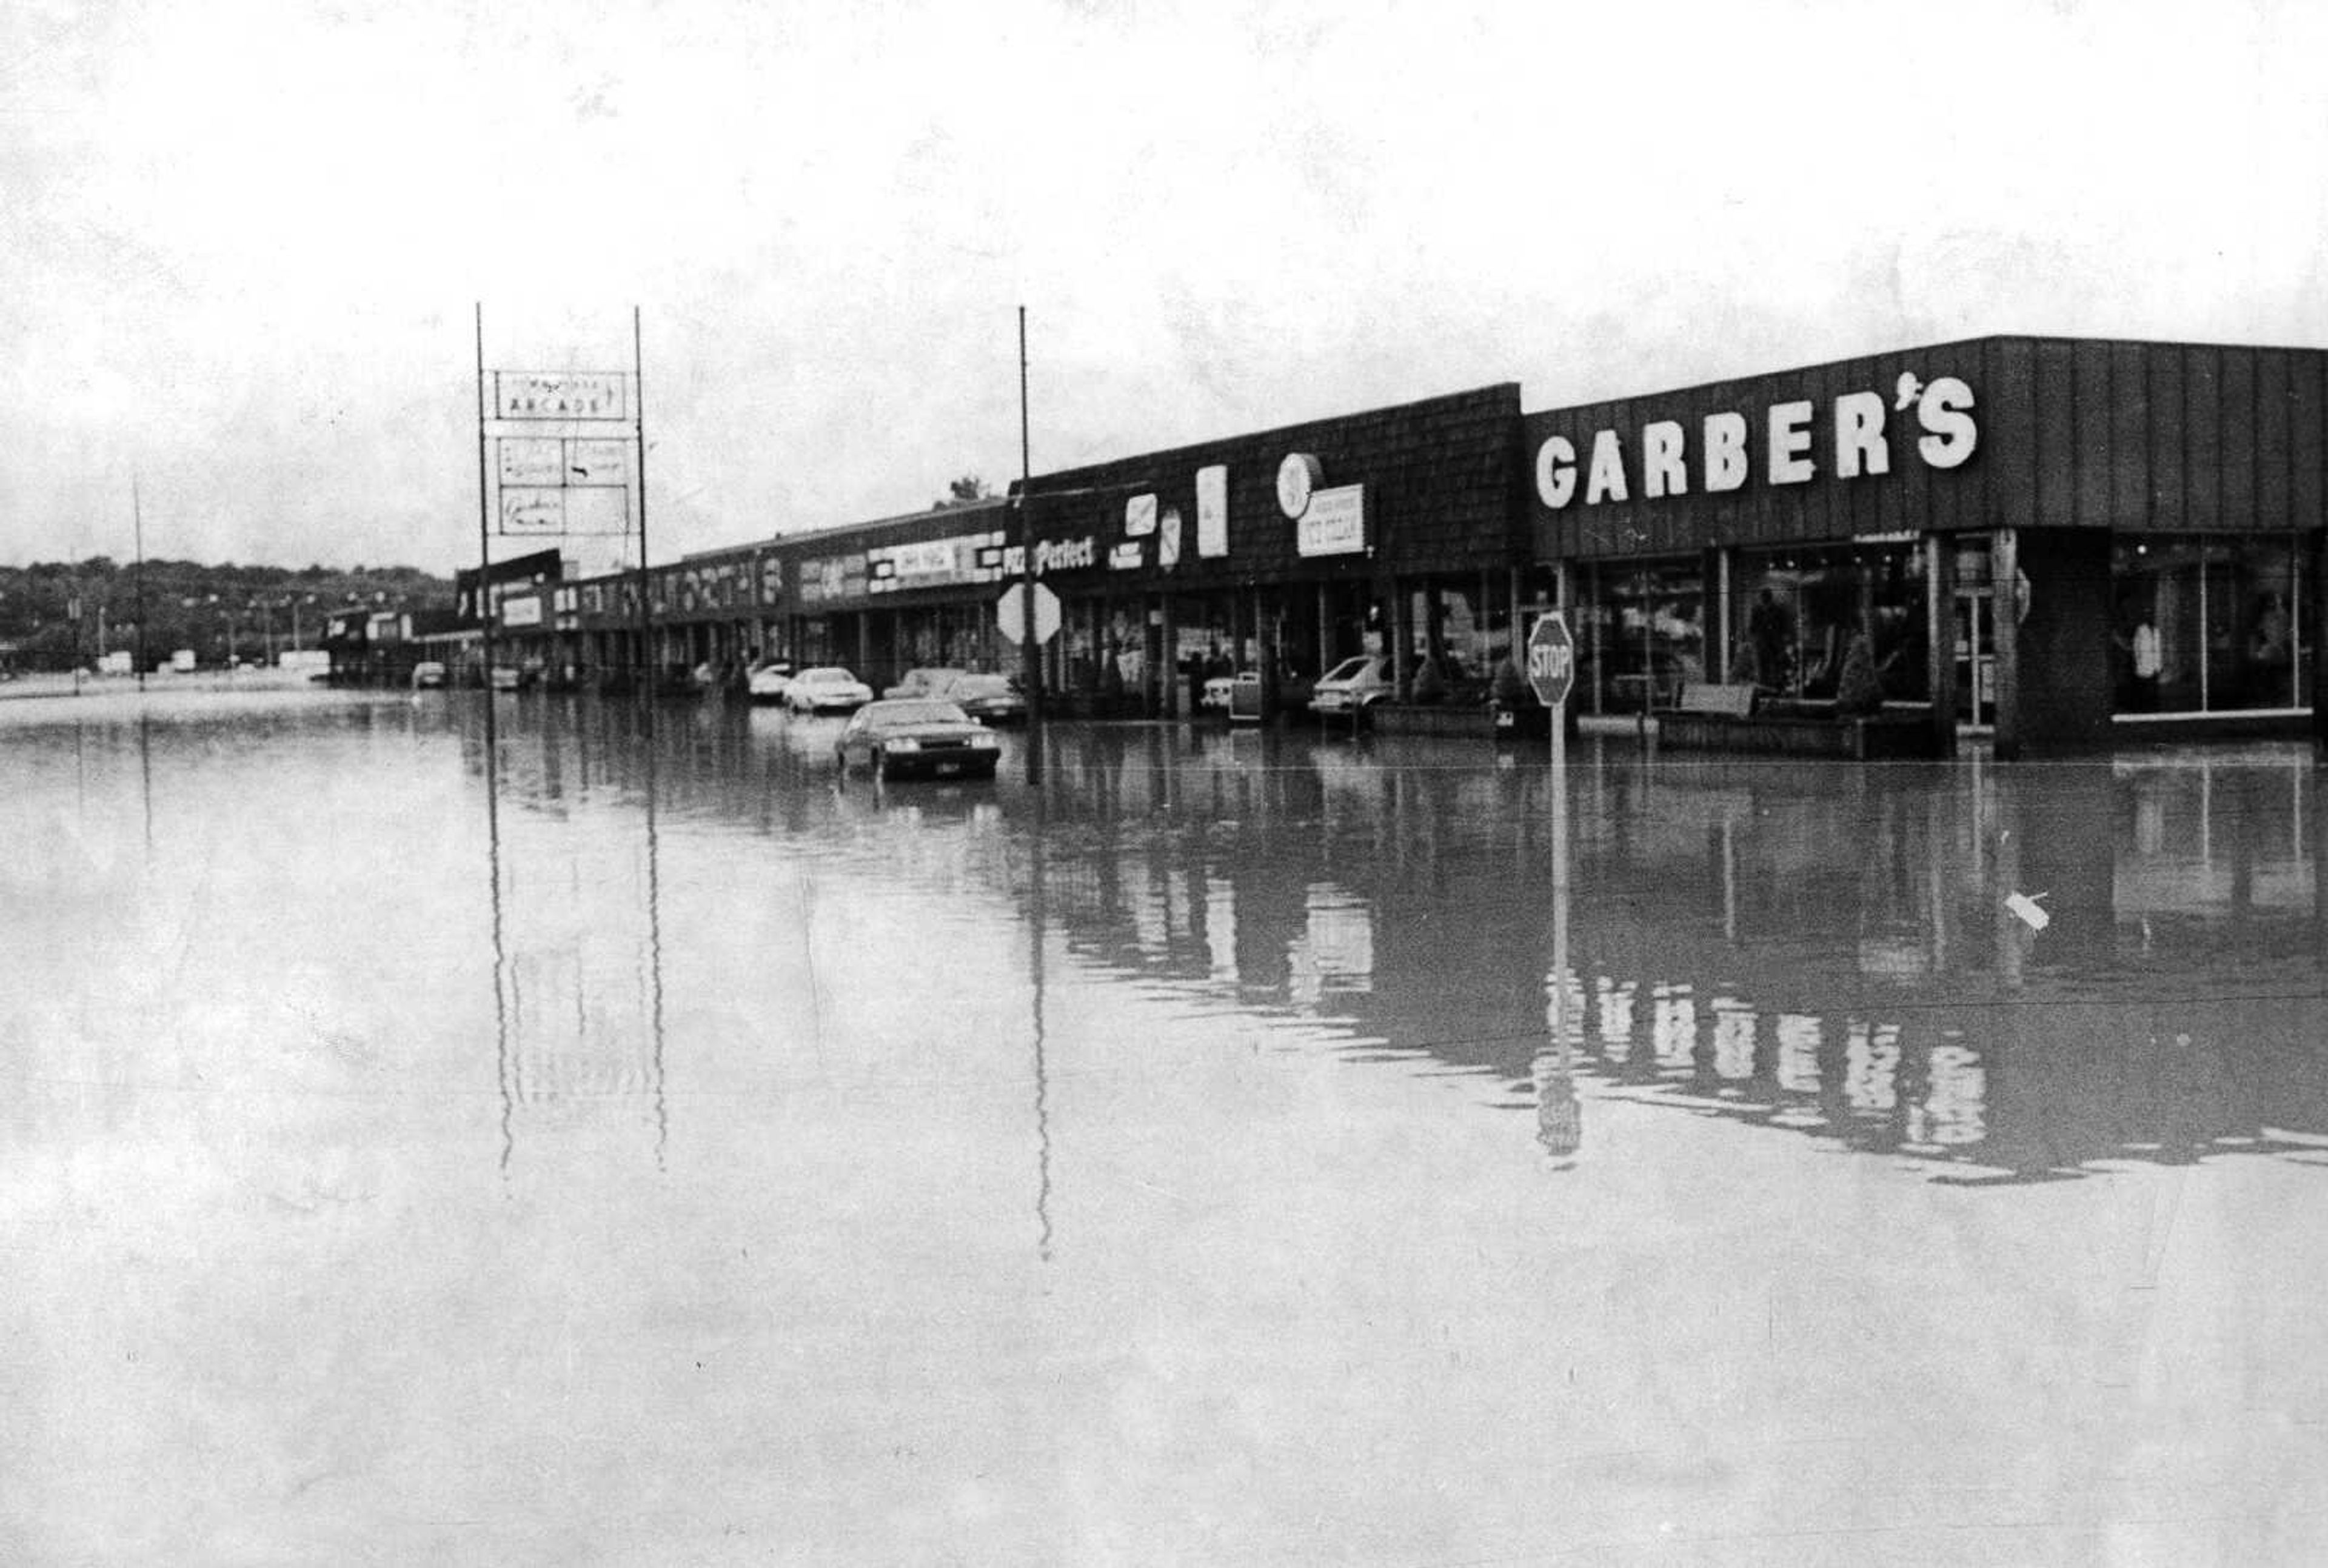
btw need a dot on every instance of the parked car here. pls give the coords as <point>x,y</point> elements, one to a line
<point>427,674</point>
<point>826,688</point>
<point>768,683</point>
<point>989,698</point>
<point>1351,686</point>
<point>918,735</point>
<point>930,683</point>
<point>1219,688</point>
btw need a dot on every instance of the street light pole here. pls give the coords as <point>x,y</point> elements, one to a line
<point>1029,652</point>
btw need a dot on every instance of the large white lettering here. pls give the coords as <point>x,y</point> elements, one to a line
<point>1725,452</point>
<point>1859,444</point>
<point>1788,461</point>
<point>1854,443</point>
<point>1555,471</point>
<point>1663,469</point>
<point>1607,480</point>
<point>1945,411</point>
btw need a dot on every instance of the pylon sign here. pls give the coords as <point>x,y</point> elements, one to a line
<point>1552,659</point>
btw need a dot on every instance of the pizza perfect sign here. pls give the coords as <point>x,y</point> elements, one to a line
<point>1859,435</point>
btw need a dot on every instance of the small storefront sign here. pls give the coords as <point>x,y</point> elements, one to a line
<point>1334,522</point>
<point>1213,510</point>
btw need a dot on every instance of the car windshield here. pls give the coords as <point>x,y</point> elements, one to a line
<point>1348,669</point>
<point>827,677</point>
<point>906,714</point>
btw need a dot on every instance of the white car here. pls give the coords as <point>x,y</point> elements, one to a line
<point>768,682</point>
<point>826,688</point>
<point>1352,686</point>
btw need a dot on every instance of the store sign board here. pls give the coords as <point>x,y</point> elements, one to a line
<point>968,557</point>
<point>1798,441</point>
<point>598,462</point>
<point>1139,516</point>
<point>533,511</point>
<point>561,395</point>
<point>1053,555</point>
<point>521,612</point>
<point>1334,521</point>
<point>832,577</point>
<point>1213,510</point>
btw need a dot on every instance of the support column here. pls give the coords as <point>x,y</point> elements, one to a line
<point>1402,642</point>
<point>2006,602</point>
<point>1940,640</point>
<point>1515,585</point>
<point>1176,685</point>
<point>1719,666</point>
<point>2307,616</point>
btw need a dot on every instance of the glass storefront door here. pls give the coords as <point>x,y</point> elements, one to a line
<point>1976,658</point>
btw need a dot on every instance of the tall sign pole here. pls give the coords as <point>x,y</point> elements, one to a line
<point>1029,651</point>
<point>1551,672</point>
<point>639,475</point>
<point>484,539</point>
<point>137,521</point>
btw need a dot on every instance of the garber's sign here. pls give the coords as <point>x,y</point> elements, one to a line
<point>1852,439</point>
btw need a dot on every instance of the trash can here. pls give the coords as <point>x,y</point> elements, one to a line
<point>1244,697</point>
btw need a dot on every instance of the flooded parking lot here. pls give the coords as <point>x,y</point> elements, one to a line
<point>624,1141</point>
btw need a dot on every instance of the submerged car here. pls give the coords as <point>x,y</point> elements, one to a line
<point>929,682</point>
<point>768,683</point>
<point>1351,686</point>
<point>428,675</point>
<point>826,688</point>
<point>918,735</point>
<point>988,698</point>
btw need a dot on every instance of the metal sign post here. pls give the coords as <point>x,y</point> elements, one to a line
<point>1551,672</point>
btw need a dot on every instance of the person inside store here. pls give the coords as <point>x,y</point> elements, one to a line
<point>1770,628</point>
<point>2270,652</point>
<point>2145,656</point>
<point>1192,669</point>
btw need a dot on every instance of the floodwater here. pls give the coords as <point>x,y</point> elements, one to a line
<point>630,1143</point>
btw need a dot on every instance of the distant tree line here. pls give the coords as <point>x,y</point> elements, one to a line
<point>60,614</point>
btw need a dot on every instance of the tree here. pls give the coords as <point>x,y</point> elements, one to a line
<point>961,491</point>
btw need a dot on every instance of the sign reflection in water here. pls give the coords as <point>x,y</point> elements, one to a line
<point>576,921</point>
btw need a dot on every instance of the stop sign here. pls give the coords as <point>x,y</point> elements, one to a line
<point>1552,659</point>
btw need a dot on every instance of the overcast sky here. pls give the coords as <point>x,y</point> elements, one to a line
<point>242,240</point>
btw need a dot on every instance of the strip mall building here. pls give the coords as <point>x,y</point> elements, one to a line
<point>2059,542</point>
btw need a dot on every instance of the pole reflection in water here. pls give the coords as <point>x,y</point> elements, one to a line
<point>1560,1119</point>
<point>1035,921</point>
<point>500,947</point>
<point>563,867</point>
<point>654,951</point>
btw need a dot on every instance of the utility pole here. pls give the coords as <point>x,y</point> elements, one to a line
<point>484,542</point>
<point>137,521</point>
<point>639,465</point>
<point>1031,655</point>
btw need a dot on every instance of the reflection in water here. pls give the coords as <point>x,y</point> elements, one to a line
<point>1827,952</point>
<point>576,916</point>
<point>1776,946</point>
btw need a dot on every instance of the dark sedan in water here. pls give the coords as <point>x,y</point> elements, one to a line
<point>896,738</point>
<point>988,698</point>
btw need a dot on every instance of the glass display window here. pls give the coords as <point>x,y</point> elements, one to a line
<point>2201,623</point>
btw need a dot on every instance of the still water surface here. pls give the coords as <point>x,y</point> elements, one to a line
<point>632,1143</point>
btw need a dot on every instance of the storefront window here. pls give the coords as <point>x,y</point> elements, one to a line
<point>2209,626</point>
<point>1643,636</point>
<point>1794,614</point>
